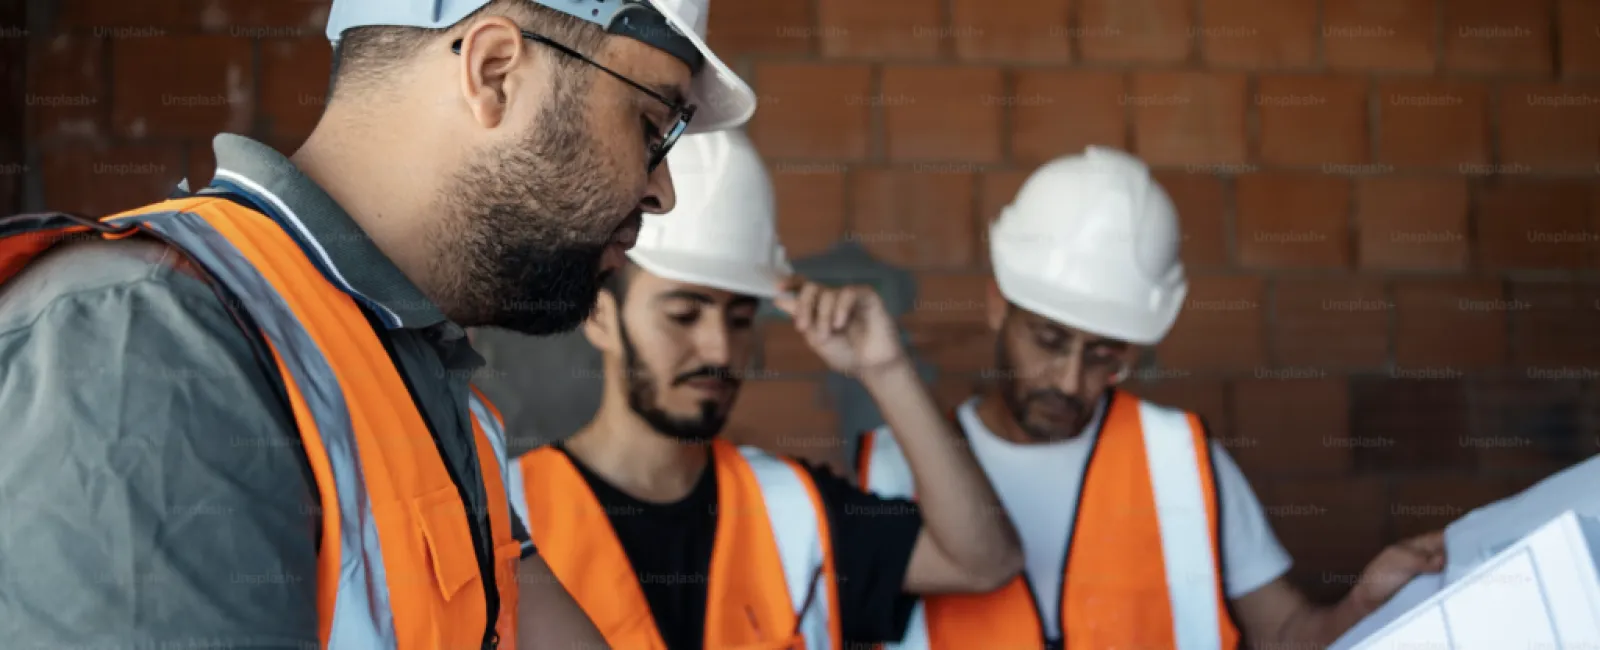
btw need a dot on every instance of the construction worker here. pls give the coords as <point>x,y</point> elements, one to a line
<point>240,418</point>
<point>672,539</point>
<point>1139,533</point>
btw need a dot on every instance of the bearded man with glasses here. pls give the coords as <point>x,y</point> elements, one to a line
<point>242,417</point>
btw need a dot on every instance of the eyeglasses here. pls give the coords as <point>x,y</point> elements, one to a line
<point>681,112</point>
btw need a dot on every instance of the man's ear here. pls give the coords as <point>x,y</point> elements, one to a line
<point>601,327</point>
<point>997,306</point>
<point>1130,358</point>
<point>491,50</point>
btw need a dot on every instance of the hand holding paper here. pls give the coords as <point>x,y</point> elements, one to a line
<point>1395,567</point>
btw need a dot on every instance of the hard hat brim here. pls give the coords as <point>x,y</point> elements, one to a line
<point>722,100</point>
<point>745,278</point>
<point>1123,322</point>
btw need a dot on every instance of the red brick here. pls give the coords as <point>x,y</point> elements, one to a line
<point>1205,397</point>
<point>1324,323</point>
<point>954,347</point>
<point>915,218</point>
<point>811,206</point>
<point>286,144</point>
<point>1550,127</point>
<point>1033,31</point>
<point>888,29</point>
<point>951,297</point>
<point>761,27</point>
<point>121,19</point>
<point>1291,220</point>
<point>815,112</point>
<point>942,113</point>
<point>67,88</point>
<point>1202,214</point>
<point>1220,327</point>
<point>1409,422</point>
<point>1412,224</point>
<point>100,181</point>
<point>1387,35</point>
<point>1579,21</point>
<point>1497,37</point>
<point>183,86</point>
<point>1312,120</point>
<point>1532,421</point>
<point>1333,524</point>
<point>202,165</point>
<point>996,190</point>
<point>1189,118</point>
<point>1445,326</point>
<point>792,417</point>
<point>277,19</point>
<point>1424,504</point>
<point>1291,426</point>
<point>1558,327</point>
<point>1059,112</point>
<point>1535,225</point>
<point>1432,123</point>
<point>785,354</point>
<point>294,83</point>
<point>1136,31</point>
<point>999,189</point>
<point>1259,33</point>
<point>951,389</point>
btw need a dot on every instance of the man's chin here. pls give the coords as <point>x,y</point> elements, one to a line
<point>546,323</point>
<point>692,431</point>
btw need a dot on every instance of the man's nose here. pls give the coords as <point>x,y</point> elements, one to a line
<point>712,342</point>
<point>1069,372</point>
<point>659,196</point>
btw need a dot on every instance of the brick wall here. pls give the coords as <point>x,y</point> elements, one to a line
<point>1389,205</point>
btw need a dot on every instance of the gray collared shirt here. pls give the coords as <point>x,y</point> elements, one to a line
<point>153,492</point>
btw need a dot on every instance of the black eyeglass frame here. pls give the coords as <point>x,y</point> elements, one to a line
<point>682,112</point>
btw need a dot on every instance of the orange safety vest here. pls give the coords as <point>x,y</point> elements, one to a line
<point>396,568</point>
<point>1141,569</point>
<point>771,585</point>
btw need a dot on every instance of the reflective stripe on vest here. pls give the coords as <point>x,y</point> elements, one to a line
<point>772,554</point>
<point>396,568</point>
<point>1148,494</point>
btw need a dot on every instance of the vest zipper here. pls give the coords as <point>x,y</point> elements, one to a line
<point>1077,511</point>
<point>1038,620</point>
<point>477,517</point>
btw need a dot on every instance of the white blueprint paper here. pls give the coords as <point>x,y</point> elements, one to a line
<point>1476,537</point>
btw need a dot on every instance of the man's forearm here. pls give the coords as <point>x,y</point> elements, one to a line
<point>960,511</point>
<point>1319,627</point>
<point>547,616</point>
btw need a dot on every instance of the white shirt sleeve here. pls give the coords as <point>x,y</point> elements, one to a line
<point>1251,553</point>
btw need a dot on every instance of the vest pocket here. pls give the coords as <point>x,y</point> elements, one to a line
<point>444,523</point>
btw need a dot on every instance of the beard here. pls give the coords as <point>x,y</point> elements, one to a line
<point>1021,402</point>
<point>529,223</point>
<point>645,400</point>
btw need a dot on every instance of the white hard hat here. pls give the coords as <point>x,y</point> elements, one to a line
<point>1091,241</point>
<point>721,98</point>
<point>723,232</point>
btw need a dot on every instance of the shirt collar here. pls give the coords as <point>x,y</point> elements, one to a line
<point>330,237</point>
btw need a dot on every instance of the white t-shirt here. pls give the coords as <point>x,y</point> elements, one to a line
<point>1030,482</point>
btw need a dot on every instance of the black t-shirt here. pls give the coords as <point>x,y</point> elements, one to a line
<point>670,547</point>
